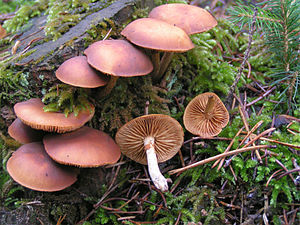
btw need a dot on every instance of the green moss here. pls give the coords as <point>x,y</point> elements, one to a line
<point>24,13</point>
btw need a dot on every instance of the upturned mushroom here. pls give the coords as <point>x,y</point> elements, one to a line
<point>31,113</point>
<point>160,36</point>
<point>205,115</point>
<point>117,58</point>
<point>85,147</point>
<point>31,167</point>
<point>77,72</point>
<point>151,139</point>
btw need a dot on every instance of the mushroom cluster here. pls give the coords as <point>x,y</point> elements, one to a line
<point>53,142</point>
<point>167,30</point>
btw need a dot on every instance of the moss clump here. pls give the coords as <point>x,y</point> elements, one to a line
<point>24,13</point>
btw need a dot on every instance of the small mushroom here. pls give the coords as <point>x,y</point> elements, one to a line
<point>191,19</point>
<point>160,36</point>
<point>151,139</point>
<point>85,147</point>
<point>31,113</point>
<point>31,167</point>
<point>23,133</point>
<point>117,58</point>
<point>205,115</point>
<point>77,72</point>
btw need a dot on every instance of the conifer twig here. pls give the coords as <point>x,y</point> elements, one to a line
<point>246,56</point>
<point>213,158</point>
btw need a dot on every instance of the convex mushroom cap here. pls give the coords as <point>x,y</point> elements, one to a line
<point>166,131</point>
<point>191,19</point>
<point>158,35</point>
<point>85,147</point>
<point>31,113</point>
<point>31,167</point>
<point>118,58</point>
<point>205,115</point>
<point>23,133</point>
<point>77,72</point>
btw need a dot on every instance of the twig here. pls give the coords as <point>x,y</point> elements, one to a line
<point>178,219</point>
<point>226,150</point>
<point>207,138</point>
<point>246,56</point>
<point>251,132</point>
<point>261,97</point>
<point>289,172</point>
<point>213,158</point>
<point>244,116</point>
<point>259,136</point>
<point>273,175</point>
<point>283,167</point>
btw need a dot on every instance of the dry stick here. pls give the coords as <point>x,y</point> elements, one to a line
<point>246,56</point>
<point>227,149</point>
<point>289,172</point>
<point>213,158</point>
<point>279,142</point>
<point>283,167</point>
<point>127,202</point>
<point>273,174</point>
<point>244,115</point>
<point>259,136</point>
<point>207,138</point>
<point>251,132</point>
<point>261,97</point>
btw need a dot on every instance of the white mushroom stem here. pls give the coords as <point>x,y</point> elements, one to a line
<point>158,179</point>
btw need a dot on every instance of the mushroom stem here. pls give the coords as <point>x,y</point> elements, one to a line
<point>158,179</point>
<point>164,63</point>
<point>109,86</point>
<point>209,107</point>
<point>155,61</point>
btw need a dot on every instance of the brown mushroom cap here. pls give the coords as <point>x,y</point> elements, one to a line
<point>77,72</point>
<point>198,122</point>
<point>166,131</point>
<point>23,133</point>
<point>156,34</point>
<point>31,167</point>
<point>191,19</point>
<point>31,113</point>
<point>118,58</point>
<point>85,147</point>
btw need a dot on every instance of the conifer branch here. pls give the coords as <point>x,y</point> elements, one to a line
<point>246,56</point>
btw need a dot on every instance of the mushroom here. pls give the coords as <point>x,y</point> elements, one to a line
<point>31,113</point>
<point>31,167</point>
<point>77,72</point>
<point>205,115</point>
<point>191,19</point>
<point>85,147</point>
<point>160,36</point>
<point>23,133</point>
<point>117,58</point>
<point>151,139</point>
